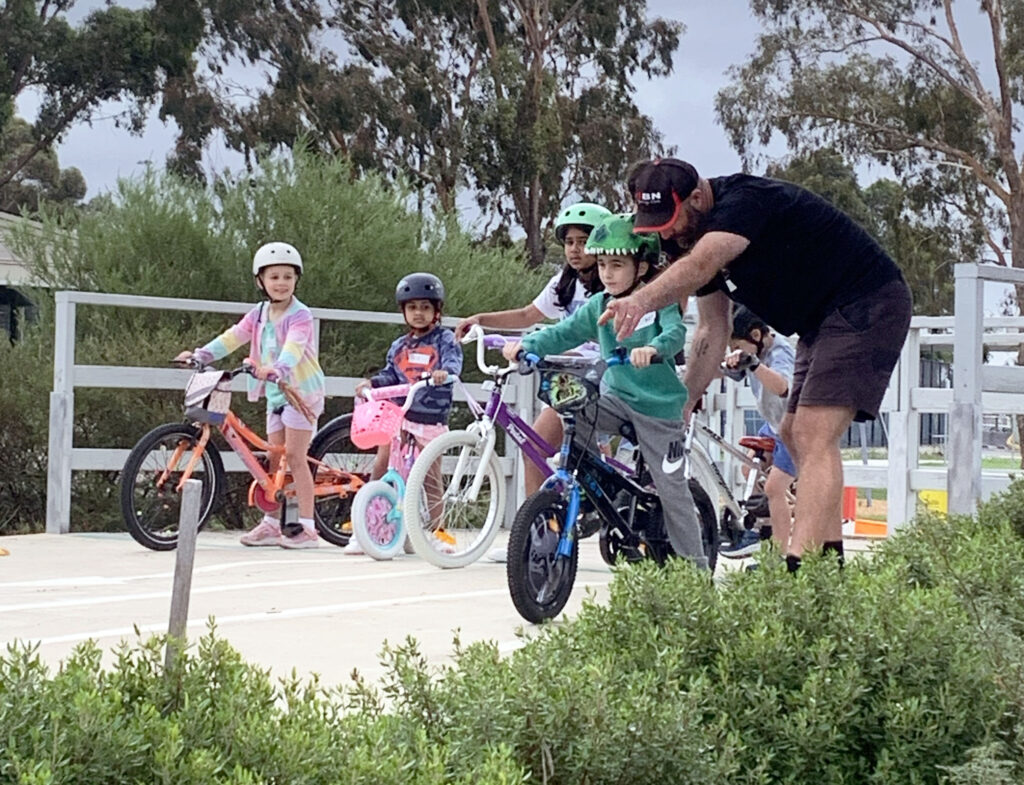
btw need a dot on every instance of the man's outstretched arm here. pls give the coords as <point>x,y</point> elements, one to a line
<point>691,271</point>
<point>683,277</point>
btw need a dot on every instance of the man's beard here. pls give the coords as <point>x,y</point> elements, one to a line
<point>683,243</point>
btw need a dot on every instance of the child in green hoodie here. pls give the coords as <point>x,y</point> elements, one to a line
<point>647,395</point>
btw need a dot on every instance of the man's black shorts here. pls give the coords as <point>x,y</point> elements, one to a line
<point>848,359</point>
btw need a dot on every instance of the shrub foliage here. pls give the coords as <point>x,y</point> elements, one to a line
<point>905,667</point>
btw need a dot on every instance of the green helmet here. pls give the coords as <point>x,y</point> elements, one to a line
<point>614,235</point>
<point>585,214</point>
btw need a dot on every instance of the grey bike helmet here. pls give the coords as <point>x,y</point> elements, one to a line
<point>420,286</point>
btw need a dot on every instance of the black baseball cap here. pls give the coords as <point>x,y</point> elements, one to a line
<point>659,187</point>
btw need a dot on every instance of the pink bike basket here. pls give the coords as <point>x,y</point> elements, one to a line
<point>375,423</point>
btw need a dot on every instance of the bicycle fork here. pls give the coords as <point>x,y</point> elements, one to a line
<point>462,467</point>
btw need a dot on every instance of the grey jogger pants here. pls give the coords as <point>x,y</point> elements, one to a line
<point>661,442</point>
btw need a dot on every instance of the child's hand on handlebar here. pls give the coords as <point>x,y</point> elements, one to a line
<point>362,387</point>
<point>642,356</point>
<point>184,357</point>
<point>439,377</point>
<point>510,351</point>
<point>265,373</point>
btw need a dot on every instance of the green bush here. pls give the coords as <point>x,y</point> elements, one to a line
<point>905,667</point>
<point>168,237</point>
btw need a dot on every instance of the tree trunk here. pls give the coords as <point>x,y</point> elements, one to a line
<point>1016,217</point>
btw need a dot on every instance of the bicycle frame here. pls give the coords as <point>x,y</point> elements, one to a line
<point>496,412</point>
<point>239,437</point>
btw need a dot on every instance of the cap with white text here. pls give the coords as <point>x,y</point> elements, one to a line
<point>659,187</point>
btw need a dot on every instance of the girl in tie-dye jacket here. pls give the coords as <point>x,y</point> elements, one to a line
<point>282,348</point>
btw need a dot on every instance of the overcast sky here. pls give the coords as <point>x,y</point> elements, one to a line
<point>719,34</point>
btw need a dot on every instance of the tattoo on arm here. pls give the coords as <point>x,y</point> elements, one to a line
<point>701,348</point>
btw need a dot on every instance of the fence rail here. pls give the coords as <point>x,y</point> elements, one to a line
<point>977,388</point>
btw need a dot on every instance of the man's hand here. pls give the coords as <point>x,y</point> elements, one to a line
<point>641,356</point>
<point>463,327</point>
<point>626,312</point>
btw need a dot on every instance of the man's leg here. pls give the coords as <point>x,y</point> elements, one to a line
<point>813,434</point>
<point>776,488</point>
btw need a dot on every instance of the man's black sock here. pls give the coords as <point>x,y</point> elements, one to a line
<point>836,547</point>
<point>792,563</point>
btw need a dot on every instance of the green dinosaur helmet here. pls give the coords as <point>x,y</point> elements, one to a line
<point>586,215</point>
<point>614,235</point>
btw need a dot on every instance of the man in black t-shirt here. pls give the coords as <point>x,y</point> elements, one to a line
<point>803,266</point>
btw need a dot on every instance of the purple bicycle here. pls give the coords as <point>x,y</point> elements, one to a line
<point>465,467</point>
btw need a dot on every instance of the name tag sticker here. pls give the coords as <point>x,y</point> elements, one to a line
<point>646,320</point>
<point>419,358</point>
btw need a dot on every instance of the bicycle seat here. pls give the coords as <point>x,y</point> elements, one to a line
<point>759,443</point>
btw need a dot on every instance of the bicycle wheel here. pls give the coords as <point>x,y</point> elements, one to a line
<point>377,520</point>
<point>708,519</point>
<point>150,501</point>
<point>447,525</point>
<point>539,581</point>
<point>335,451</point>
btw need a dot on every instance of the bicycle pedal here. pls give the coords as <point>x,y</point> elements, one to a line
<point>589,524</point>
<point>757,505</point>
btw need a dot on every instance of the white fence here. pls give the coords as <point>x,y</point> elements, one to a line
<point>976,388</point>
<point>64,458</point>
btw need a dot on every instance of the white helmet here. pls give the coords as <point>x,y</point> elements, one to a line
<point>276,253</point>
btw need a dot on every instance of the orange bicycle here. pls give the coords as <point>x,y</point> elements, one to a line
<point>161,461</point>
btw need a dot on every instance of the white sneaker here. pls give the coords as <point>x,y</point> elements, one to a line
<point>499,555</point>
<point>353,548</point>
<point>443,543</point>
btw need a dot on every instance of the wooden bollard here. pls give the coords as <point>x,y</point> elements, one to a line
<point>188,525</point>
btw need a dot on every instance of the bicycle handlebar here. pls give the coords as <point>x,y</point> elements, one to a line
<point>528,361</point>
<point>408,390</point>
<point>484,342</point>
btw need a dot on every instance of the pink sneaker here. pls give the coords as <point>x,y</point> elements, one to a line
<point>304,539</point>
<point>263,534</point>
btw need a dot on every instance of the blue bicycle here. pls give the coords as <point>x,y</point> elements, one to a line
<point>587,494</point>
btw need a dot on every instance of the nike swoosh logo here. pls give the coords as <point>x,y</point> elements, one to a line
<point>670,467</point>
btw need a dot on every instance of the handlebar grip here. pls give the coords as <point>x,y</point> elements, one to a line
<point>621,357</point>
<point>528,362</point>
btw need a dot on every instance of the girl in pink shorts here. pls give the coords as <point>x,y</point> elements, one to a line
<point>282,348</point>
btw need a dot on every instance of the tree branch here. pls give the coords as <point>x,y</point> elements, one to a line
<point>908,141</point>
<point>44,141</point>
<point>1004,135</point>
<point>977,98</point>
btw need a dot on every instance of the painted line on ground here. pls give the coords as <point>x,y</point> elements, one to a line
<point>115,598</point>
<point>289,613</point>
<point>114,580</point>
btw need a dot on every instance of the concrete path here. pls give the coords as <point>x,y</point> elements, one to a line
<point>315,611</point>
